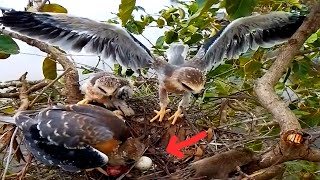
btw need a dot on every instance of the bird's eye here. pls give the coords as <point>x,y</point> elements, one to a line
<point>102,90</point>
<point>187,87</point>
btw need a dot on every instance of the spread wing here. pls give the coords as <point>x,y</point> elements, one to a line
<point>76,34</point>
<point>246,33</point>
<point>76,126</point>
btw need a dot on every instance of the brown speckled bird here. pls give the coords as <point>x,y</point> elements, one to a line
<point>110,90</point>
<point>77,137</point>
<point>175,76</point>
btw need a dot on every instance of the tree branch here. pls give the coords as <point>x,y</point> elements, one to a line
<point>72,87</point>
<point>264,86</point>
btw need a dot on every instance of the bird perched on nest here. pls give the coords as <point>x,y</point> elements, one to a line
<point>77,137</point>
<point>110,90</point>
<point>175,76</point>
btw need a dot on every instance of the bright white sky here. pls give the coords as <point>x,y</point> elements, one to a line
<point>30,59</point>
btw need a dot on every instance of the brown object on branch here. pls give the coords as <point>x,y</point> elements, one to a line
<point>72,87</point>
<point>218,166</point>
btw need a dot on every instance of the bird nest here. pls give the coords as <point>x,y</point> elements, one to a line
<point>222,136</point>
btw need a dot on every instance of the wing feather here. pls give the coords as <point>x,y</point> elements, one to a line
<point>246,33</point>
<point>77,34</point>
<point>75,126</point>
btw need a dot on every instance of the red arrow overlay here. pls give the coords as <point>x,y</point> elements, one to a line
<point>174,147</point>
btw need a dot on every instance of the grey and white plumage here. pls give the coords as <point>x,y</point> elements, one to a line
<point>73,137</point>
<point>110,90</point>
<point>176,76</point>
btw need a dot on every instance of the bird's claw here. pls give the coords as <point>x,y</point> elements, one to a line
<point>84,101</point>
<point>175,116</point>
<point>160,114</point>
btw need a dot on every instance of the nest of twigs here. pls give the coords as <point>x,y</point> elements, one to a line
<point>223,134</point>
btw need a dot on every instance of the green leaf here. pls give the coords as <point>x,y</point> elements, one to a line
<point>170,36</point>
<point>49,68</point>
<point>160,41</point>
<point>8,45</point>
<point>239,8</point>
<point>194,38</point>
<point>300,113</point>
<point>312,38</point>
<point>54,8</point>
<point>200,3</point>
<point>4,56</point>
<point>86,71</point>
<point>160,22</point>
<point>125,10</point>
<point>8,110</point>
<point>202,10</point>
<point>255,145</point>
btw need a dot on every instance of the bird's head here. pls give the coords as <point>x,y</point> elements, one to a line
<point>190,79</point>
<point>104,88</point>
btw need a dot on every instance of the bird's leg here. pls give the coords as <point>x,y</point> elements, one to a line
<point>124,107</point>
<point>183,104</point>
<point>164,100</point>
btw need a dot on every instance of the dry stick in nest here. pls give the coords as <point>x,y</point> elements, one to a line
<point>16,83</point>
<point>49,85</point>
<point>23,106</point>
<point>33,88</point>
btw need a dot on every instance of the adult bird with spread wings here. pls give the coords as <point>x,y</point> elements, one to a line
<point>175,76</point>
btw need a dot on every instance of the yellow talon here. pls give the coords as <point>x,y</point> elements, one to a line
<point>175,116</point>
<point>84,101</point>
<point>160,114</point>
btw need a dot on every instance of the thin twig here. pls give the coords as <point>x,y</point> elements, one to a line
<point>48,86</point>
<point>9,155</point>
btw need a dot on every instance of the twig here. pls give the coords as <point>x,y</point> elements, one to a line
<point>9,155</point>
<point>16,83</point>
<point>33,88</point>
<point>48,86</point>
<point>72,87</point>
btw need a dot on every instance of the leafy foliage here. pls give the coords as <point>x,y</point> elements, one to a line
<point>125,9</point>
<point>8,45</point>
<point>240,8</point>
<point>49,68</point>
<point>54,8</point>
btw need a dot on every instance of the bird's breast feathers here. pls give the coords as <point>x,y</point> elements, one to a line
<point>172,86</point>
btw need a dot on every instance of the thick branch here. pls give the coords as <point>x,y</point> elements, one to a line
<point>72,87</point>
<point>264,86</point>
